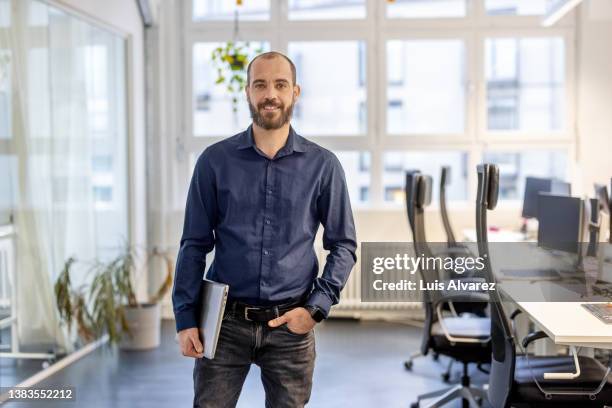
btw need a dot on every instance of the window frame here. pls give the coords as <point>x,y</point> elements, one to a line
<point>375,30</point>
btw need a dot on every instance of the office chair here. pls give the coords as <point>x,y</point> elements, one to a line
<point>455,248</point>
<point>464,339</point>
<point>409,362</point>
<point>524,380</point>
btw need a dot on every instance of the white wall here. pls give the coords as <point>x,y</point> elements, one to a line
<point>594,99</point>
<point>124,17</point>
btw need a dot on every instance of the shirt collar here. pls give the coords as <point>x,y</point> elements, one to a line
<point>295,142</point>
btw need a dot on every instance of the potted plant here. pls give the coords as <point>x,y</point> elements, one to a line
<point>108,304</point>
<point>231,61</point>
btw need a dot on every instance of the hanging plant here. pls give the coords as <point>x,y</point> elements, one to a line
<point>231,61</point>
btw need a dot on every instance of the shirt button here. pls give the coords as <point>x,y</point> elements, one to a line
<point>269,191</point>
<point>266,252</point>
<point>268,222</point>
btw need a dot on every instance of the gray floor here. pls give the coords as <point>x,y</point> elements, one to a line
<point>359,364</point>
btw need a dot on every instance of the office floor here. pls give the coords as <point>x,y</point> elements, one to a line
<point>358,365</point>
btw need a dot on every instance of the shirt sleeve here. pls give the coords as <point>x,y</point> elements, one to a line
<point>198,239</point>
<point>339,239</point>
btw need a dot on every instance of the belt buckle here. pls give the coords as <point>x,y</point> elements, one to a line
<point>246,312</point>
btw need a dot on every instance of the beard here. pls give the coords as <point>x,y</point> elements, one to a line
<point>267,120</point>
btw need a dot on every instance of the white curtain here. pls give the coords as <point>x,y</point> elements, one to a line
<point>68,138</point>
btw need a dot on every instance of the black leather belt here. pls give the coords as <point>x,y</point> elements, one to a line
<point>260,313</point>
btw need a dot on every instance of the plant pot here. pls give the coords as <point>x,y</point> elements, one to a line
<point>237,62</point>
<point>145,329</point>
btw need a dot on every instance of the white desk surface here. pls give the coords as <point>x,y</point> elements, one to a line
<point>566,323</point>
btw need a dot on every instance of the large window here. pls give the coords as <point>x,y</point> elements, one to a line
<point>426,86</point>
<point>213,113</point>
<point>8,187</point>
<point>251,10</point>
<point>63,152</point>
<point>356,167</point>
<point>396,164</point>
<point>515,166</point>
<point>326,9</point>
<point>391,86</point>
<point>332,100</point>
<point>63,135</point>
<point>525,83</point>
<point>5,94</point>
<point>516,7</point>
<point>5,13</point>
<point>426,8</point>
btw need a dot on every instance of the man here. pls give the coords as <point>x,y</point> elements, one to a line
<point>258,198</point>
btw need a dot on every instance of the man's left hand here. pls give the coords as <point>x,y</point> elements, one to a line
<point>298,320</point>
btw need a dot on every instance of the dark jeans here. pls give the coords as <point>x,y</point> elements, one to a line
<point>286,361</point>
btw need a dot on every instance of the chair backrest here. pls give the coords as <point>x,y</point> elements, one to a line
<point>418,197</point>
<point>444,181</point>
<point>503,359</point>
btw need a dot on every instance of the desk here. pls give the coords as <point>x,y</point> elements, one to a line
<point>566,323</point>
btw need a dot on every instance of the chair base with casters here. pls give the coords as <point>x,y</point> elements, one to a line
<point>416,354</point>
<point>435,357</point>
<point>471,396</point>
<point>477,328</point>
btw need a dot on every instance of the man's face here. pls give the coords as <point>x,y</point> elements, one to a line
<point>271,93</point>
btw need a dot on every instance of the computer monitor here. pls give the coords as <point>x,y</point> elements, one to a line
<point>560,223</point>
<point>601,193</point>
<point>560,187</point>
<point>536,185</point>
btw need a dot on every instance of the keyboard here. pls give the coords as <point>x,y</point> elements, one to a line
<point>603,311</point>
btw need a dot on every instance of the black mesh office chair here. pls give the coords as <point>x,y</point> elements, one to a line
<point>519,380</point>
<point>409,362</point>
<point>455,248</point>
<point>465,339</point>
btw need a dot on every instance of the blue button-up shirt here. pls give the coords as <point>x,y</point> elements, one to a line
<point>261,216</point>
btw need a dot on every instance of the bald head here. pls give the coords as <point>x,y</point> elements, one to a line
<point>268,56</point>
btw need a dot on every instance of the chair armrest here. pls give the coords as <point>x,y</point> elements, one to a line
<point>515,313</point>
<point>531,337</point>
<point>452,339</point>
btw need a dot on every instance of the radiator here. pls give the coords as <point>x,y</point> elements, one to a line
<point>350,297</point>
